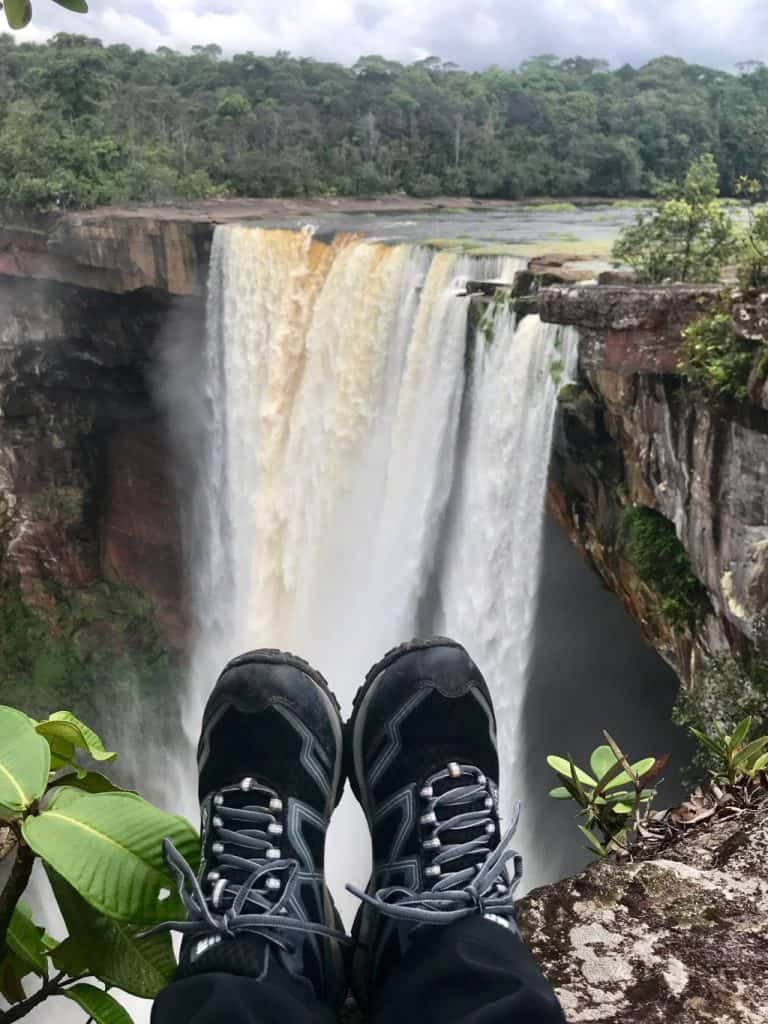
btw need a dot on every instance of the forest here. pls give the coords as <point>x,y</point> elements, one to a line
<point>83,124</point>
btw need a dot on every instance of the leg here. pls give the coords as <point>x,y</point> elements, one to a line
<point>215,998</point>
<point>436,939</point>
<point>263,942</point>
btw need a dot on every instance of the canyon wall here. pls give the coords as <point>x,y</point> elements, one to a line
<point>633,434</point>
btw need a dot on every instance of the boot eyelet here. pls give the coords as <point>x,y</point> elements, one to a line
<point>217,822</point>
<point>453,770</point>
<point>430,818</point>
<point>488,802</point>
<point>273,853</point>
<point>275,804</point>
<point>275,829</point>
<point>213,876</point>
<point>273,884</point>
<point>218,800</point>
<point>433,871</point>
<point>490,828</point>
<point>246,784</point>
<point>427,792</point>
<point>218,848</point>
<point>431,844</point>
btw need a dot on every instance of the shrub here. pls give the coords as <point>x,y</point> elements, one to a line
<point>662,562</point>
<point>101,848</point>
<point>715,358</point>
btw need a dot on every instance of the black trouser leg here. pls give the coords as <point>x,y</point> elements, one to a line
<point>232,999</point>
<point>471,972</point>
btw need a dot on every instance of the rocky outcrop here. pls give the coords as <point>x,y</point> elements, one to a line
<point>678,939</point>
<point>632,432</point>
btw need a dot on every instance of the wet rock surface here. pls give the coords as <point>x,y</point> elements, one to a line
<point>679,938</point>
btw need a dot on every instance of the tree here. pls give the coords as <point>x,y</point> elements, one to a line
<point>19,12</point>
<point>687,236</point>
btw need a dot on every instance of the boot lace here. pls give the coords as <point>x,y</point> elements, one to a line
<point>248,882</point>
<point>467,877</point>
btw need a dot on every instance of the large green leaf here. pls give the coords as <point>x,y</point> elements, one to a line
<point>70,732</point>
<point>18,13</point>
<point>24,761</point>
<point>99,1005</point>
<point>109,847</point>
<point>78,6</point>
<point>108,950</point>
<point>25,939</point>
<point>91,782</point>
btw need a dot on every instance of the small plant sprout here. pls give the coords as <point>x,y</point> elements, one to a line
<point>614,795</point>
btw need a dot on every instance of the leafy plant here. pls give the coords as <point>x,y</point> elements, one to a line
<point>661,561</point>
<point>101,848</point>
<point>715,357</point>
<point>685,236</point>
<point>736,756</point>
<point>614,795</point>
<point>18,13</point>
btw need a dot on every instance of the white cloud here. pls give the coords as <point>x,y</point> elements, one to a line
<point>473,33</point>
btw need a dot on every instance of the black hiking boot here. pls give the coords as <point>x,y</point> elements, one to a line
<point>422,759</point>
<point>271,772</point>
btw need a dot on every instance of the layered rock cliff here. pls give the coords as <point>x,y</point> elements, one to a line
<point>635,439</point>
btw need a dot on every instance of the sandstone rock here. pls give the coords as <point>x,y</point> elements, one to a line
<point>678,939</point>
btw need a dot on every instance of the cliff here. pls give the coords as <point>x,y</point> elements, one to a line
<point>639,454</point>
<point>91,582</point>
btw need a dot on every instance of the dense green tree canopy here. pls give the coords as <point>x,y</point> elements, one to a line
<point>82,124</point>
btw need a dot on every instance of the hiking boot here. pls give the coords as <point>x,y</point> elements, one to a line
<point>422,760</point>
<point>270,760</point>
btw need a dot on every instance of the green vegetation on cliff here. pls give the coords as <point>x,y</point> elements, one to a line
<point>82,123</point>
<point>662,562</point>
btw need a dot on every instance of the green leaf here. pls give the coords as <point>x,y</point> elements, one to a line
<point>740,734</point>
<point>24,761</point>
<point>25,939</point>
<point>78,6</point>
<point>97,1004</point>
<point>753,749</point>
<point>63,797</point>
<point>560,793</point>
<point>563,767</point>
<point>639,768</point>
<point>708,742</point>
<point>108,950</point>
<point>621,808</point>
<point>760,764</point>
<point>109,847</point>
<point>601,761</point>
<point>18,13</point>
<point>90,782</point>
<point>63,726</point>
<point>593,841</point>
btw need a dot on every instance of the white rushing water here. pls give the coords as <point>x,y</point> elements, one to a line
<point>361,479</point>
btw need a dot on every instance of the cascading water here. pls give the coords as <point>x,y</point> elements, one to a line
<point>353,490</point>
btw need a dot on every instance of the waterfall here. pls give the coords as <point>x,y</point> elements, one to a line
<point>366,471</point>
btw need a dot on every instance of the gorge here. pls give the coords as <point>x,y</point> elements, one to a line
<point>349,397</point>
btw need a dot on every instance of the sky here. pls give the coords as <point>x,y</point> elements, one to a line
<point>472,33</point>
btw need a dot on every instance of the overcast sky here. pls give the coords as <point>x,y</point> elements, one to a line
<point>473,33</point>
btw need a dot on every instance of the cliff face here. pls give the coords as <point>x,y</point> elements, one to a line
<point>633,433</point>
<point>90,565</point>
